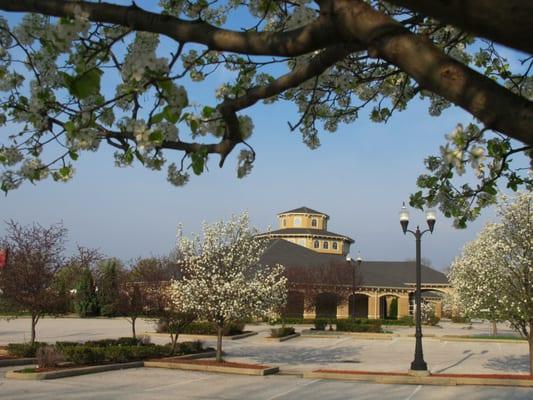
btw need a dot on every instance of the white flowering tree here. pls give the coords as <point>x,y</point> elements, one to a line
<point>493,276</point>
<point>76,74</point>
<point>223,280</point>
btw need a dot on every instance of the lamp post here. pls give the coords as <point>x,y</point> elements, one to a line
<point>349,261</point>
<point>418,365</point>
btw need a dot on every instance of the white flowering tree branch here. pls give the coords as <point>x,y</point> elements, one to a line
<point>332,58</point>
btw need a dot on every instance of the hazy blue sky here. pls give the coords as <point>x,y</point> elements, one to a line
<point>359,176</point>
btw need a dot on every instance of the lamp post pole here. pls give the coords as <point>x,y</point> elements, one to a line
<point>349,261</point>
<point>418,365</point>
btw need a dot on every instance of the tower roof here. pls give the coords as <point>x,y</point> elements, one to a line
<point>303,210</point>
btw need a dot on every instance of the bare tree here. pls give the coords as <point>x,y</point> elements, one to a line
<point>35,257</point>
<point>335,277</point>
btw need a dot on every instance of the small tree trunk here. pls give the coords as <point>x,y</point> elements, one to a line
<point>33,323</point>
<point>219,342</point>
<point>174,341</point>
<point>530,341</point>
<point>494,328</point>
<point>133,319</point>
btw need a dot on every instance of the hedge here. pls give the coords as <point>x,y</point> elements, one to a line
<point>281,332</point>
<point>25,350</point>
<point>347,325</point>
<point>88,353</point>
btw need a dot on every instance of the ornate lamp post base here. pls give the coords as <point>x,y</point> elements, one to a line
<point>416,372</point>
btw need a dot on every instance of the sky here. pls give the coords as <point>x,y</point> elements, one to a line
<point>359,176</point>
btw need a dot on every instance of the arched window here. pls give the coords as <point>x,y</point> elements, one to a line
<point>284,222</point>
<point>297,221</point>
<point>334,245</point>
<point>316,245</point>
<point>313,223</point>
<point>325,245</point>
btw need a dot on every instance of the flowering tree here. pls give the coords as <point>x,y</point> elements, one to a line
<point>223,280</point>
<point>28,281</point>
<point>333,59</point>
<point>493,276</point>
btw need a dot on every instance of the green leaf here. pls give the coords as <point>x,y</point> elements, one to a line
<point>157,118</point>
<point>198,161</point>
<point>171,115</point>
<point>64,171</point>
<point>85,84</point>
<point>73,155</point>
<point>128,156</point>
<point>194,125</point>
<point>156,136</point>
<point>207,111</point>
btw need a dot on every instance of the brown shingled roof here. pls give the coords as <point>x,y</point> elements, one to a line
<point>303,210</point>
<point>306,232</point>
<point>392,274</point>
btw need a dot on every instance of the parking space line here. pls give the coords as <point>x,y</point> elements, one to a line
<point>277,396</point>
<point>160,387</point>
<point>417,389</point>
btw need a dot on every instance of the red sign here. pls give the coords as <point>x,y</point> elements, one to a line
<point>3,258</point>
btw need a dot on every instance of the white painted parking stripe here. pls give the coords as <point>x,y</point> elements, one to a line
<point>277,396</point>
<point>414,392</point>
<point>161,387</point>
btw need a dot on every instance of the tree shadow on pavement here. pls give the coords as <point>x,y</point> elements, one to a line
<point>509,363</point>
<point>300,355</point>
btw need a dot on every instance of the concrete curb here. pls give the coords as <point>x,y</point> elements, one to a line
<point>211,368</point>
<point>71,371</point>
<point>470,339</point>
<point>284,338</point>
<point>360,335</point>
<point>10,362</point>
<point>418,380</point>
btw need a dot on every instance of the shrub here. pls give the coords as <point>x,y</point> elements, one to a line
<point>346,325</point>
<point>281,332</point>
<point>403,321</point>
<point>292,321</point>
<point>190,347</point>
<point>128,341</point>
<point>84,354</point>
<point>24,349</point>
<point>61,344</point>
<point>47,357</point>
<point>320,324</point>
<point>432,319</point>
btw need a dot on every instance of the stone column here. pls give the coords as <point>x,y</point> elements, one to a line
<point>438,308</point>
<point>373,306</point>
<point>343,310</point>
<point>403,305</point>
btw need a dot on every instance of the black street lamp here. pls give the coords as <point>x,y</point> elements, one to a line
<point>349,261</point>
<point>418,365</point>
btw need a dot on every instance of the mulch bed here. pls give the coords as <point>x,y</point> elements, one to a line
<point>229,364</point>
<point>339,371</point>
<point>477,376</point>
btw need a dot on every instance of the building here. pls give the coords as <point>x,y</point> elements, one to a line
<point>323,283</point>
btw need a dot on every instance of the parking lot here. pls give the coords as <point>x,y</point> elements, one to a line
<point>293,357</point>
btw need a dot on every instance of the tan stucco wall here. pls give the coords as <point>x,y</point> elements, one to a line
<point>305,221</point>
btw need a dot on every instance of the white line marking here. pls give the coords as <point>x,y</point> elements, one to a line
<point>414,392</point>
<point>292,390</point>
<point>176,384</point>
